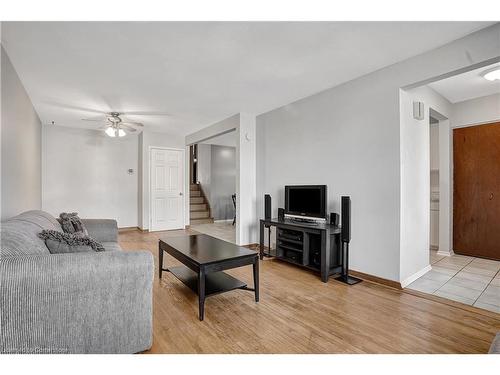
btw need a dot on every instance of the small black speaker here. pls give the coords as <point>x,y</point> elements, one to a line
<point>334,219</point>
<point>267,207</point>
<point>346,219</point>
<point>281,214</point>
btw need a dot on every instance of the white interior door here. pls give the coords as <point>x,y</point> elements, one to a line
<point>167,189</point>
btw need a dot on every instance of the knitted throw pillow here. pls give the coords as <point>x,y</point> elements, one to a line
<point>59,243</point>
<point>71,223</point>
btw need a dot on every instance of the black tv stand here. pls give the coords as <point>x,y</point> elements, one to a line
<point>302,220</point>
<point>314,246</point>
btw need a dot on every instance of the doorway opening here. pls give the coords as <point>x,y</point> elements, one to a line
<point>463,184</point>
<point>434,185</point>
<point>212,195</point>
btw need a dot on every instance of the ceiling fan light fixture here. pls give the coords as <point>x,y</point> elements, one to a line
<point>110,131</point>
<point>492,74</point>
<point>121,133</point>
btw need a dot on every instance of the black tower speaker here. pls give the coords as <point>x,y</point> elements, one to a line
<point>267,207</point>
<point>345,236</point>
<point>281,214</point>
<point>346,219</point>
<point>334,219</point>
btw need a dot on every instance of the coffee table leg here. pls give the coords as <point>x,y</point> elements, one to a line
<point>201,293</point>
<point>160,256</point>
<point>256,278</point>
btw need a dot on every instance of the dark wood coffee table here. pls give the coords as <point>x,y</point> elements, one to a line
<point>204,258</point>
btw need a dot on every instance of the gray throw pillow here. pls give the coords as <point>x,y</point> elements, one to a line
<point>58,242</point>
<point>59,247</point>
<point>71,223</point>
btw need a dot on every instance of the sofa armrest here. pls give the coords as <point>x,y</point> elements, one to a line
<point>102,230</point>
<point>495,345</point>
<point>76,303</point>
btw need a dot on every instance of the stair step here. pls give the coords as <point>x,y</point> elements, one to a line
<point>201,221</point>
<point>197,200</point>
<point>198,207</point>
<point>195,193</point>
<point>194,187</point>
<point>199,214</point>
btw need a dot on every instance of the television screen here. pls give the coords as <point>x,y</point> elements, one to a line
<point>306,200</point>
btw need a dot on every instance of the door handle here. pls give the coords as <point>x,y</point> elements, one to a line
<point>181,193</point>
<point>491,196</point>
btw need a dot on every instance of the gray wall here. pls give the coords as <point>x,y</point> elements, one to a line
<point>204,168</point>
<point>223,182</point>
<point>348,137</point>
<point>21,141</point>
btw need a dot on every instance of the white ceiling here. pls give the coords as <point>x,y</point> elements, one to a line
<point>466,86</point>
<point>227,139</point>
<point>202,72</point>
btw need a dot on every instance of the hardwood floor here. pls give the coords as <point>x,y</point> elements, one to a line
<point>297,313</point>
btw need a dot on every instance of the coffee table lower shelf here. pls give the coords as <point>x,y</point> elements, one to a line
<point>215,283</point>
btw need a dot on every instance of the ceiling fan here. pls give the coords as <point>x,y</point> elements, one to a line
<point>114,126</point>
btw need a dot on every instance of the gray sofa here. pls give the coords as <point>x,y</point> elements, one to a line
<point>495,345</point>
<point>72,303</point>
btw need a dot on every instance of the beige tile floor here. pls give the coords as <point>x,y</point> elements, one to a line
<point>222,230</point>
<point>473,281</point>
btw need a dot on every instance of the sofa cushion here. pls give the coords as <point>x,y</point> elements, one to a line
<point>495,345</point>
<point>111,246</point>
<point>41,218</point>
<point>19,235</point>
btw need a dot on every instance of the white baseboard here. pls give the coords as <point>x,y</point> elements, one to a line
<point>444,253</point>
<point>415,276</point>
<point>223,221</point>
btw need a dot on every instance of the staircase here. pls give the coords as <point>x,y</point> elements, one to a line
<point>198,206</point>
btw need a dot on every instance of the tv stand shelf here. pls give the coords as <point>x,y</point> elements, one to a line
<point>314,246</point>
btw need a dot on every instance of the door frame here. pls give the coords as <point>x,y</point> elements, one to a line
<point>150,188</point>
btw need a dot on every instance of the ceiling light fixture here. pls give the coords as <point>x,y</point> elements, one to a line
<point>492,74</point>
<point>121,133</point>
<point>110,131</point>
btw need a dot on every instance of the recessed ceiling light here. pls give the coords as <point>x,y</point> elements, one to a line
<point>492,74</point>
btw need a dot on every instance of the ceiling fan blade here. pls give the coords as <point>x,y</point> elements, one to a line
<point>145,113</point>
<point>132,124</point>
<point>71,107</point>
<point>99,119</point>
<point>127,128</point>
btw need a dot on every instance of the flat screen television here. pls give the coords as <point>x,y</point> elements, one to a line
<point>305,201</point>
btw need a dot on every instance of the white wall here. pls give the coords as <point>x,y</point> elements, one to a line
<point>434,185</point>
<point>434,138</point>
<point>246,170</point>
<point>476,111</point>
<point>415,179</point>
<point>21,139</point>
<point>348,137</point>
<point>87,172</point>
<point>149,139</point>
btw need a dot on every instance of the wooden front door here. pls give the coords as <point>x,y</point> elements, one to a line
<point>476,191</point>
